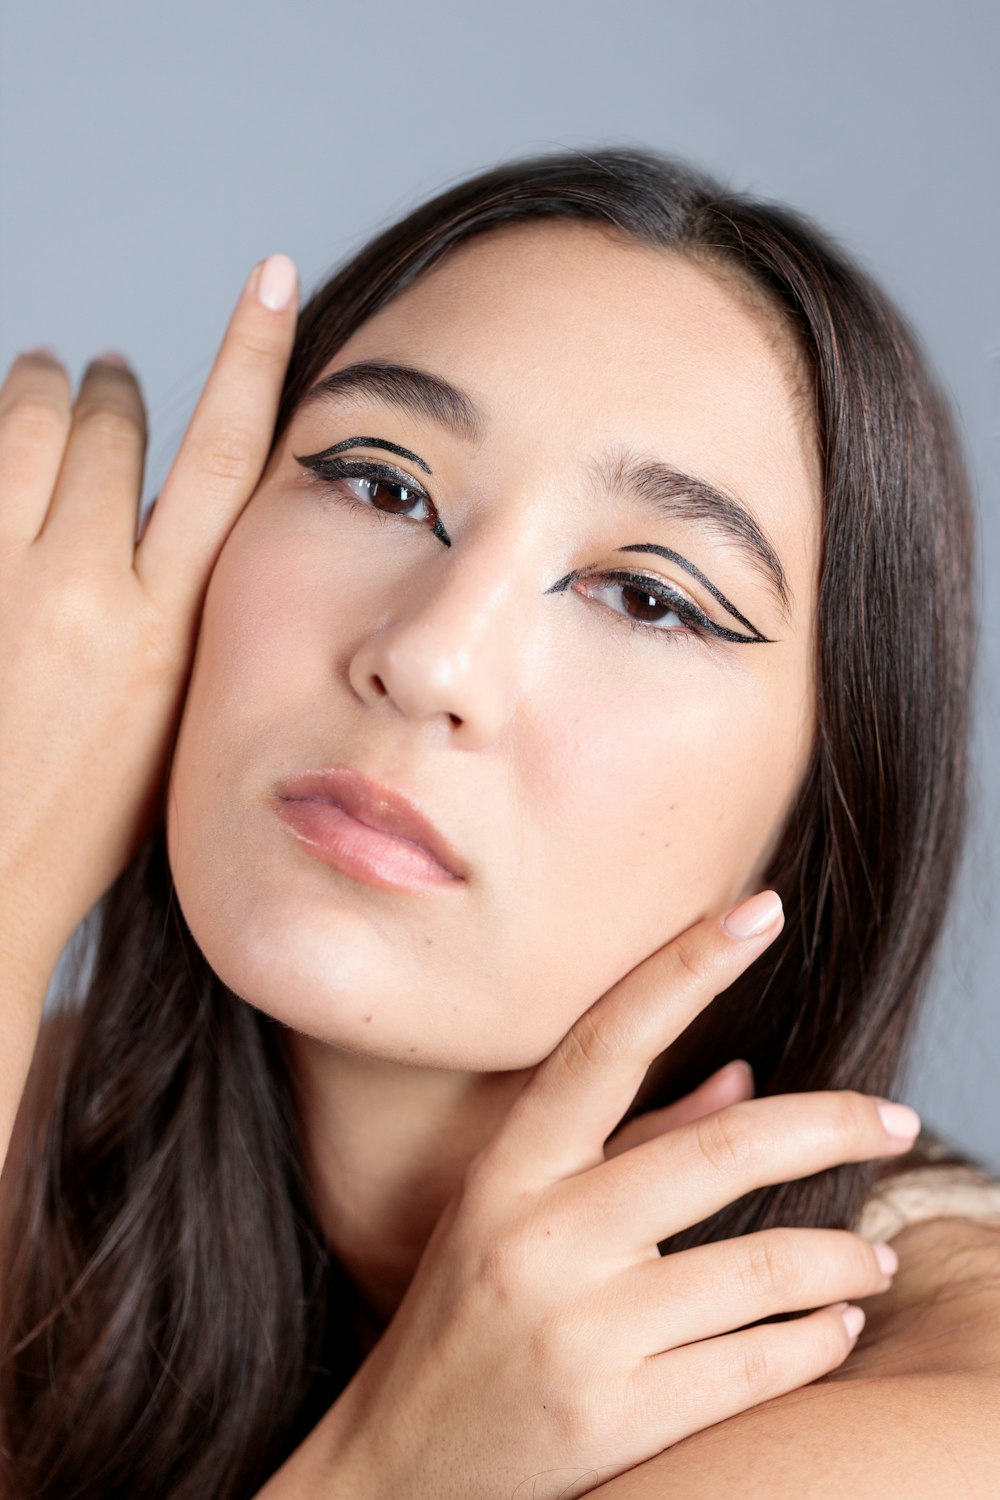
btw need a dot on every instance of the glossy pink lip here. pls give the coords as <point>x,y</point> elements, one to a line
<point>425,855</point>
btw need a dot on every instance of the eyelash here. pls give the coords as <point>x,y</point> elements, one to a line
<point>694,621</point>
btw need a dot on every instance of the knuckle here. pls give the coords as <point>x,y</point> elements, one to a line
<point>853,1116</point>
<point>756,1366</point>
<point>109,426</point>
<point>36,417</point>
<point>74,619</point>
<point>586,1046</point>
<point>772,1264</point>
<point>232,456</point>
<point>259,346</point>
<point>500,1266</point>
<point>690,959</point>
<point>725,1142</point>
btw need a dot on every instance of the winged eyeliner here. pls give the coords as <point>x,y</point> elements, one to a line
<point>756,637</point>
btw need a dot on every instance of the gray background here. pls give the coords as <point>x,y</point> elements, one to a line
<point>149,155</point>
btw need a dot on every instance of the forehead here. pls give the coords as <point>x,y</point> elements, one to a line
<point>571,338</point>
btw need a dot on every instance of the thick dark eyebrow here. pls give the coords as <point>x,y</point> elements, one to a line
<point>675,495</point>
<point>666,489</point>
<point>404,386</point>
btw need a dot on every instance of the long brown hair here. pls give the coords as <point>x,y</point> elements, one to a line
<point>174,1322</point>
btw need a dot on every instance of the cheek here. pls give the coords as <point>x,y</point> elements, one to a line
<point>261,632</point>
<point>653,811</point>
<point>248,648</point>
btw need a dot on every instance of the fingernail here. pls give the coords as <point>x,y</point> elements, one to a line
<point>753,917</point>
<point>112,357</point>
<point>900,1120</point>
<point>740,1065</point>
<point>44,351</point>
<point>854,1320</point>
<point>276,282</point>
<point>888,1260</point>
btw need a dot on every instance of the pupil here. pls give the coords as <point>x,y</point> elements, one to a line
<point>652,605</point>
<point>399,502</point>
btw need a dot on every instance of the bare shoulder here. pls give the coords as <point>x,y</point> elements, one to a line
<point>915,1408</point>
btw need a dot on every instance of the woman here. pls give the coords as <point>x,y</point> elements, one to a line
<point>599,537</point>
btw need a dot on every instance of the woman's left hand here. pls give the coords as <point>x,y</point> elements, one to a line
<point>308,1470</point>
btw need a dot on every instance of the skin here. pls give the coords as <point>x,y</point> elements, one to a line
<point>606,787</point>
<point>99,635</point>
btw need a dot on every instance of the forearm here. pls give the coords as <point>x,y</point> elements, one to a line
<point>331,1464</point>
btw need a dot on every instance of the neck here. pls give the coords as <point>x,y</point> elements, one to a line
<point>386,1145</point>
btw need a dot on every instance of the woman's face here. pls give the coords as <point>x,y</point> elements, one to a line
<point>605,784</point>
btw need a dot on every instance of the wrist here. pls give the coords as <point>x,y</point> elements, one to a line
<point>333,1463</point>
<point>31,938</point>
<point>28,957</point>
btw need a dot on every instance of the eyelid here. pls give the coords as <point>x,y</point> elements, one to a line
<point>328,468</point>
<point>364,467</point>
<point>706,583</point>
<point>666,583</point>
<point>373,467</point>
<point>680,599</point>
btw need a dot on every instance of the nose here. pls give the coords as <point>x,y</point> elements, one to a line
<point>451,647</point>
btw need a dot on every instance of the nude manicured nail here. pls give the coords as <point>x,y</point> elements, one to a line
<point>754,916</point>
<point>276,282</point>
<point>900,1120</point>
<point>854,1320</point>
<point>739,1068</point>
<point>888,1260</point>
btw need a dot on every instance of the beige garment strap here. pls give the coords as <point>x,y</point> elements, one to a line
<point>948,1190</point>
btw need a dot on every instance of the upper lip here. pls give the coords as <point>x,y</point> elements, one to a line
<point>374,804</point>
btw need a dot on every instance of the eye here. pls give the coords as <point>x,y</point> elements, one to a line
<point>653,607</point>
<point>377,483</point>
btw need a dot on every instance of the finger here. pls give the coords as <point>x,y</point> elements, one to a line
<point>715,1160</point>
<point>35,420</point>
<point>96,497</point>
<point>714,1289</point>
<point>559,1122</point>
<point>685,1390</point>
<point>226,444</point>
<point>726,1086</point>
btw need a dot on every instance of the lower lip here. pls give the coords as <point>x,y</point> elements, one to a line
<point>331,835</point>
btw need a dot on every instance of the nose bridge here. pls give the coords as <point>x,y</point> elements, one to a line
<point>454,635</point>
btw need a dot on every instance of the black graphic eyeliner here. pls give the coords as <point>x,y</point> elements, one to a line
<point>368,442</point>
<point>682,562</point>
<point>326,466</point>
<point>315,461</point>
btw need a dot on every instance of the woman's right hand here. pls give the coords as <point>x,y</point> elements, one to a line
<point>544,1346</point>
<point>97,631</point>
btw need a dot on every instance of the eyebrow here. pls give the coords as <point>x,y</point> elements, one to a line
<point>407,388</point>
<point>665,489</point>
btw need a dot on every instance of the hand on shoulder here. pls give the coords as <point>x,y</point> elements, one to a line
<point>912,1410</point>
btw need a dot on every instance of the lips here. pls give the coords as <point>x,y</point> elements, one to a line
<point>375,805</point>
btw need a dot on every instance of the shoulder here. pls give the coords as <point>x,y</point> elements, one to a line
<point>914,1408</point>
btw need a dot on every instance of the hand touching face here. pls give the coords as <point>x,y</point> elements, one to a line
<point>560,595</point>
